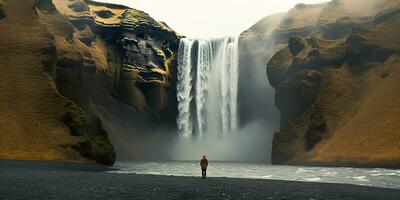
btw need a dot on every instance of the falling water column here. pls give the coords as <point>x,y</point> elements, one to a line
<point>184,87</point>
<point>207,78</point>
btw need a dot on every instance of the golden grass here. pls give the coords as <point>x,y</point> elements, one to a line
<point>370,132</point>
<point>360,104</point>
<point>30,105</point>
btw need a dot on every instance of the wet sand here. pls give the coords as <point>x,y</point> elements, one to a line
<point>58,180</point>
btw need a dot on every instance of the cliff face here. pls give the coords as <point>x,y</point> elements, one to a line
<point>336,83</point>
<point>69,66</point>
<point>36,121</point>
<point>124,50</point>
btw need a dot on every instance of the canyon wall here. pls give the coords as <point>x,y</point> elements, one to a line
<point>71,70</point>
<point>76,74</point>
<point>333,67</point>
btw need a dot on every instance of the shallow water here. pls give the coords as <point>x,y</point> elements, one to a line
<point>376,177</point>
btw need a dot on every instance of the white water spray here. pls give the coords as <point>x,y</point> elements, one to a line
<point>207,86</point>
<point>207,92</point>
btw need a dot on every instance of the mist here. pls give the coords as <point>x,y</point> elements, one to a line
<point>250,143</point>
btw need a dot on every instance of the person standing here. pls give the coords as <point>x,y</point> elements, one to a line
<point>204,165</point>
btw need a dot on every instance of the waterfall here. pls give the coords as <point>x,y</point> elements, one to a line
<point>207,86</point>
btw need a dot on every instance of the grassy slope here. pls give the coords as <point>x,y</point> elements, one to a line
<point>369,132</point>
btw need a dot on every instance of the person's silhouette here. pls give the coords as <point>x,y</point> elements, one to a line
<point>204,165</point>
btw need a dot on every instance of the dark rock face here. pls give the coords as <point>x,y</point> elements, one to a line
<point>316,130</point>
<point>297,44</point>
<point>101,150</point>
<point>104,14</point>
<point>298,75</point>
<point>78,6</point>
<point>149,49</point>
<point>45,5</point>
<point>141,56</point>
<point>97,146</point>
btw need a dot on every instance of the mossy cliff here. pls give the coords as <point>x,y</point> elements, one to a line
<point>126,50</point>
<point>68,66</point>
<point>333,66</point>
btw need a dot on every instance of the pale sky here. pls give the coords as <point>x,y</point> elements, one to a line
<point>211,18</point>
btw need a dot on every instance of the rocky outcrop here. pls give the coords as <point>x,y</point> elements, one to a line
<point>138,55</point>
<point>124,66</point>
<point>118,64</point>
<point>329,65</point>
<point>99,149</point>
<point>150,51</point>
<point>97,146</point>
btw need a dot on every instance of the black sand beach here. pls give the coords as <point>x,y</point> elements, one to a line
<point>58,180</point>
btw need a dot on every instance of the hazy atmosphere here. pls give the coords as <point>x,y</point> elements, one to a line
<point>200,99</point>
<point>211,18</point>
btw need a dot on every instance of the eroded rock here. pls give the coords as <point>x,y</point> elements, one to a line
<point>79,6</point>
<point>297,44</point>
<point>105,14</point>
<point>86,36</point>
